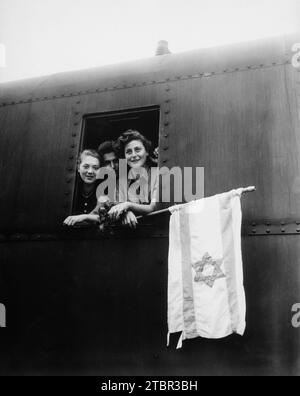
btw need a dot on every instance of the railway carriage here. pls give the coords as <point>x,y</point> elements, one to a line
<point>81,302</point>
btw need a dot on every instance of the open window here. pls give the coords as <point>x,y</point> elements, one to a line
<point>99,128</point>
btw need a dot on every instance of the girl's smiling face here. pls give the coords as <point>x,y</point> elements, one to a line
<point>136,154</point>
<point>88,169</point>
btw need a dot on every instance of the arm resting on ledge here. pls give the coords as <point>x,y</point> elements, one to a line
<point>83,219</point>
<point>116,212</point>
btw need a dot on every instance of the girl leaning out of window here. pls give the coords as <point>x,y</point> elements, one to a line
<point>138,193</point>
<point>88,167</point>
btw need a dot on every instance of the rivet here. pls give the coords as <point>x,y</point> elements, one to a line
<point>166,123</point>
<point>298,222</point>
<point>167,101</point>
<point>72,146</point>
<point>167,111</point>
<point>166,148</point>
<point>68,181</point>
<point>268,224</point>
<point>164,161</point>
<point>283,223</point>
<point>253,224</point>
<point>166,135</point>
<point>74,134</point>
<point>282,230</point>
<point>268,231</point>
<point>298,229</point>
<point>253,231</point>
<point>71,157</point>
<point>77,113</point>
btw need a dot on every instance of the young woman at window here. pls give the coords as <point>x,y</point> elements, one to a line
<point>138,193</point>
<point>88,166</point>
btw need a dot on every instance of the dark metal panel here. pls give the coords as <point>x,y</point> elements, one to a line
<point>293,98</point>
<point>101,307</point>
<point>13,128</point>
<point>241,129</point>
<point>38,143</point>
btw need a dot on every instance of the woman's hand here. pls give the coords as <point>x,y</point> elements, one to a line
<point>130,220</point>
<point>71,221</point>
<point>118,210</point>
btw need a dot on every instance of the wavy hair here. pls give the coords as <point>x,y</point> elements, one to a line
<point>128,137</point>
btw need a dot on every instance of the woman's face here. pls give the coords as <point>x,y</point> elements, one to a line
<point>136,154</point>
<point>88,169</point>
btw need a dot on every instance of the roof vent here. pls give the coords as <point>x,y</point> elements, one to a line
<point>162,48</point>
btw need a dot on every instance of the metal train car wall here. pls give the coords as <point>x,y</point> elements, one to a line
<point>77,302</point>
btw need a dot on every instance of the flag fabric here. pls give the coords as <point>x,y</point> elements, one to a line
<point>205,281</point>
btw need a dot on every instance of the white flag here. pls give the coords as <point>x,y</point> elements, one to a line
<point>205,283</point>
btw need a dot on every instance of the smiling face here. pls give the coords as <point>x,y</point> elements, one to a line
<point>136,154</point>
<point>88,169</point>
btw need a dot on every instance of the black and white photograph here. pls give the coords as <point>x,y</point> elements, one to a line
<point>150,197</point>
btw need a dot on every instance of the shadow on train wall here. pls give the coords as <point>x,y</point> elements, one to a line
<point>77,302</point>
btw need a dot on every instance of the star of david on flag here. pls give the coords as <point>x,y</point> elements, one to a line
<point>215,266</point>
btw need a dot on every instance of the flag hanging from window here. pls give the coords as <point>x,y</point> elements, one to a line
<point>205,282</point>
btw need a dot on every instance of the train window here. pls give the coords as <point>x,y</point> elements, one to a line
<point>105,127</point>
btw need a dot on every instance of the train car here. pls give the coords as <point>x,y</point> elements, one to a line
<point>82,302</point>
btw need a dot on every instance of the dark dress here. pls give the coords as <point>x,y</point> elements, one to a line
<point>85,203</point>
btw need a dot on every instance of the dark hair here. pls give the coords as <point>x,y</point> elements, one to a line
<point>105,148</point>
<point>128,137</point>
<point>90,153</point>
